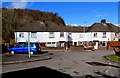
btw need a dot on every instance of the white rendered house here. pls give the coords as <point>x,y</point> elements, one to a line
<point>98,34</point>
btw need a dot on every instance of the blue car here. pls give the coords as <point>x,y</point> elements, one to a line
<point>23,48</point>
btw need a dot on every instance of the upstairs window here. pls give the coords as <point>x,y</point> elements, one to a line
<point>95,34</point>
<point>80,35</point>
<point>51,35</point>
<point>33,35</point>
<point>21,35</point>
<point>104,35</point>
<point>70,34</point>
<point>61,34</point>
<point>116,34</point>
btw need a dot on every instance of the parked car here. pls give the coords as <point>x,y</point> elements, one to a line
<point>23,48</point>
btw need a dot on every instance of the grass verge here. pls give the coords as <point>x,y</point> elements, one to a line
<point>114,58</point>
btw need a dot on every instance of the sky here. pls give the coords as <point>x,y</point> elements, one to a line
<point>61,0</point>
<point>74,13</point>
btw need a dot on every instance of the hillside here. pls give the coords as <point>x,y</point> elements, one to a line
<point>13,19</point>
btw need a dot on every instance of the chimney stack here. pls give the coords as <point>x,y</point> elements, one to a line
<point>103,21</point>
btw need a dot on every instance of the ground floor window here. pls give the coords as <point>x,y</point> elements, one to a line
<point>42,44</point>
<point>62,44</point>
<point>90,43</point>
<point>51,44</point>
<point>81,43</point>
<point>103,43</point>
<point>75,43</point>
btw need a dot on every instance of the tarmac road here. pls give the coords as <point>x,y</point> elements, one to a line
<point>76,63</point>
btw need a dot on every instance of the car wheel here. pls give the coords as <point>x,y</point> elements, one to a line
<point>31,52</point>
<point>12,52</point>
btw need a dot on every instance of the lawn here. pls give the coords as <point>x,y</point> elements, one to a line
<point>114,58</point>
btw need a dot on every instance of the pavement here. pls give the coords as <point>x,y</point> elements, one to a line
<point>73,62</point>
<point>22,58</point>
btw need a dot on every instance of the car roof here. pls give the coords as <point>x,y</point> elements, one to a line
<point>30,43</point>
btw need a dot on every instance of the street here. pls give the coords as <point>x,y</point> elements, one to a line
<point>75,63</point>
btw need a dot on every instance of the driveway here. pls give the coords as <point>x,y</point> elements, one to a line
<point>76,63</point>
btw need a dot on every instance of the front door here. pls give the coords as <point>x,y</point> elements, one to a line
<point>96,45</point>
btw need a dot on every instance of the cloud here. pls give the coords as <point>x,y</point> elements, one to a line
<point>117,25</point>
<point>74,25</point>
<point>21,4</point>
<point>101,15</point>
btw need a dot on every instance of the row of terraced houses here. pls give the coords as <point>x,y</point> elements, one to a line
<point>50,34</point>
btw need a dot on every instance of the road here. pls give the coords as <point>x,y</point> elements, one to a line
<point>75,63</point>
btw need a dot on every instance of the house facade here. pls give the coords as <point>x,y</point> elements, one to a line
<point>58,39</point>
<point>96,35</point>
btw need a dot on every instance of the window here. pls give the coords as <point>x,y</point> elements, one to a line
<point>48,42</point>
<point>103,43</point>
<point>61,34</point>
<point>81,43</point>
<point>20,45</point>
<point>90,43</point>
<point>51,44</point>
<point>95,34</point>
<point>70,34</point>
<point>51,34</point>
<point>33,35</point>
<point>104,35</point>
<point>116,34</point>
<point>80,35</point>
<point>21,35</point>
<point>62,44</point>
<point>75,43</point>
<point>26,45</point>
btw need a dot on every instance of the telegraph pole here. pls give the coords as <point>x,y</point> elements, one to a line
<point>84,29</point>
<point>29,44</point>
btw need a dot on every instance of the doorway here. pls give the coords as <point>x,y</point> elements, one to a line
<point>96,45</point>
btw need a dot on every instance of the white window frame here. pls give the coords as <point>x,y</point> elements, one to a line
<point>33,34</point>
<point>116,34</point>
<point>80,35</point>
<point>61,34</point>
<point>21,34</point>
<point>81,43</point>
<point>103,42</point>
<point>51,44</point>
<point>51,35</point>
<point>104,35</point>
<point>95,35</point>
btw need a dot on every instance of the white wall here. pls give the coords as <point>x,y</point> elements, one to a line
<point>44,37</point>
<point>41,37</point>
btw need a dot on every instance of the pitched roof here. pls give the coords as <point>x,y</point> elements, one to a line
<point>103,27</point>
<point>49,26</point>
<point>33,26</point>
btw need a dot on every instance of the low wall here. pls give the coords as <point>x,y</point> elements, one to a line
<point>105,48</point>
<point>52,48</point>
<point>76,48</point>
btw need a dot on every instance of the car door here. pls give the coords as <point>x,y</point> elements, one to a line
<point>19,48</point>
<point>25,48</point>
